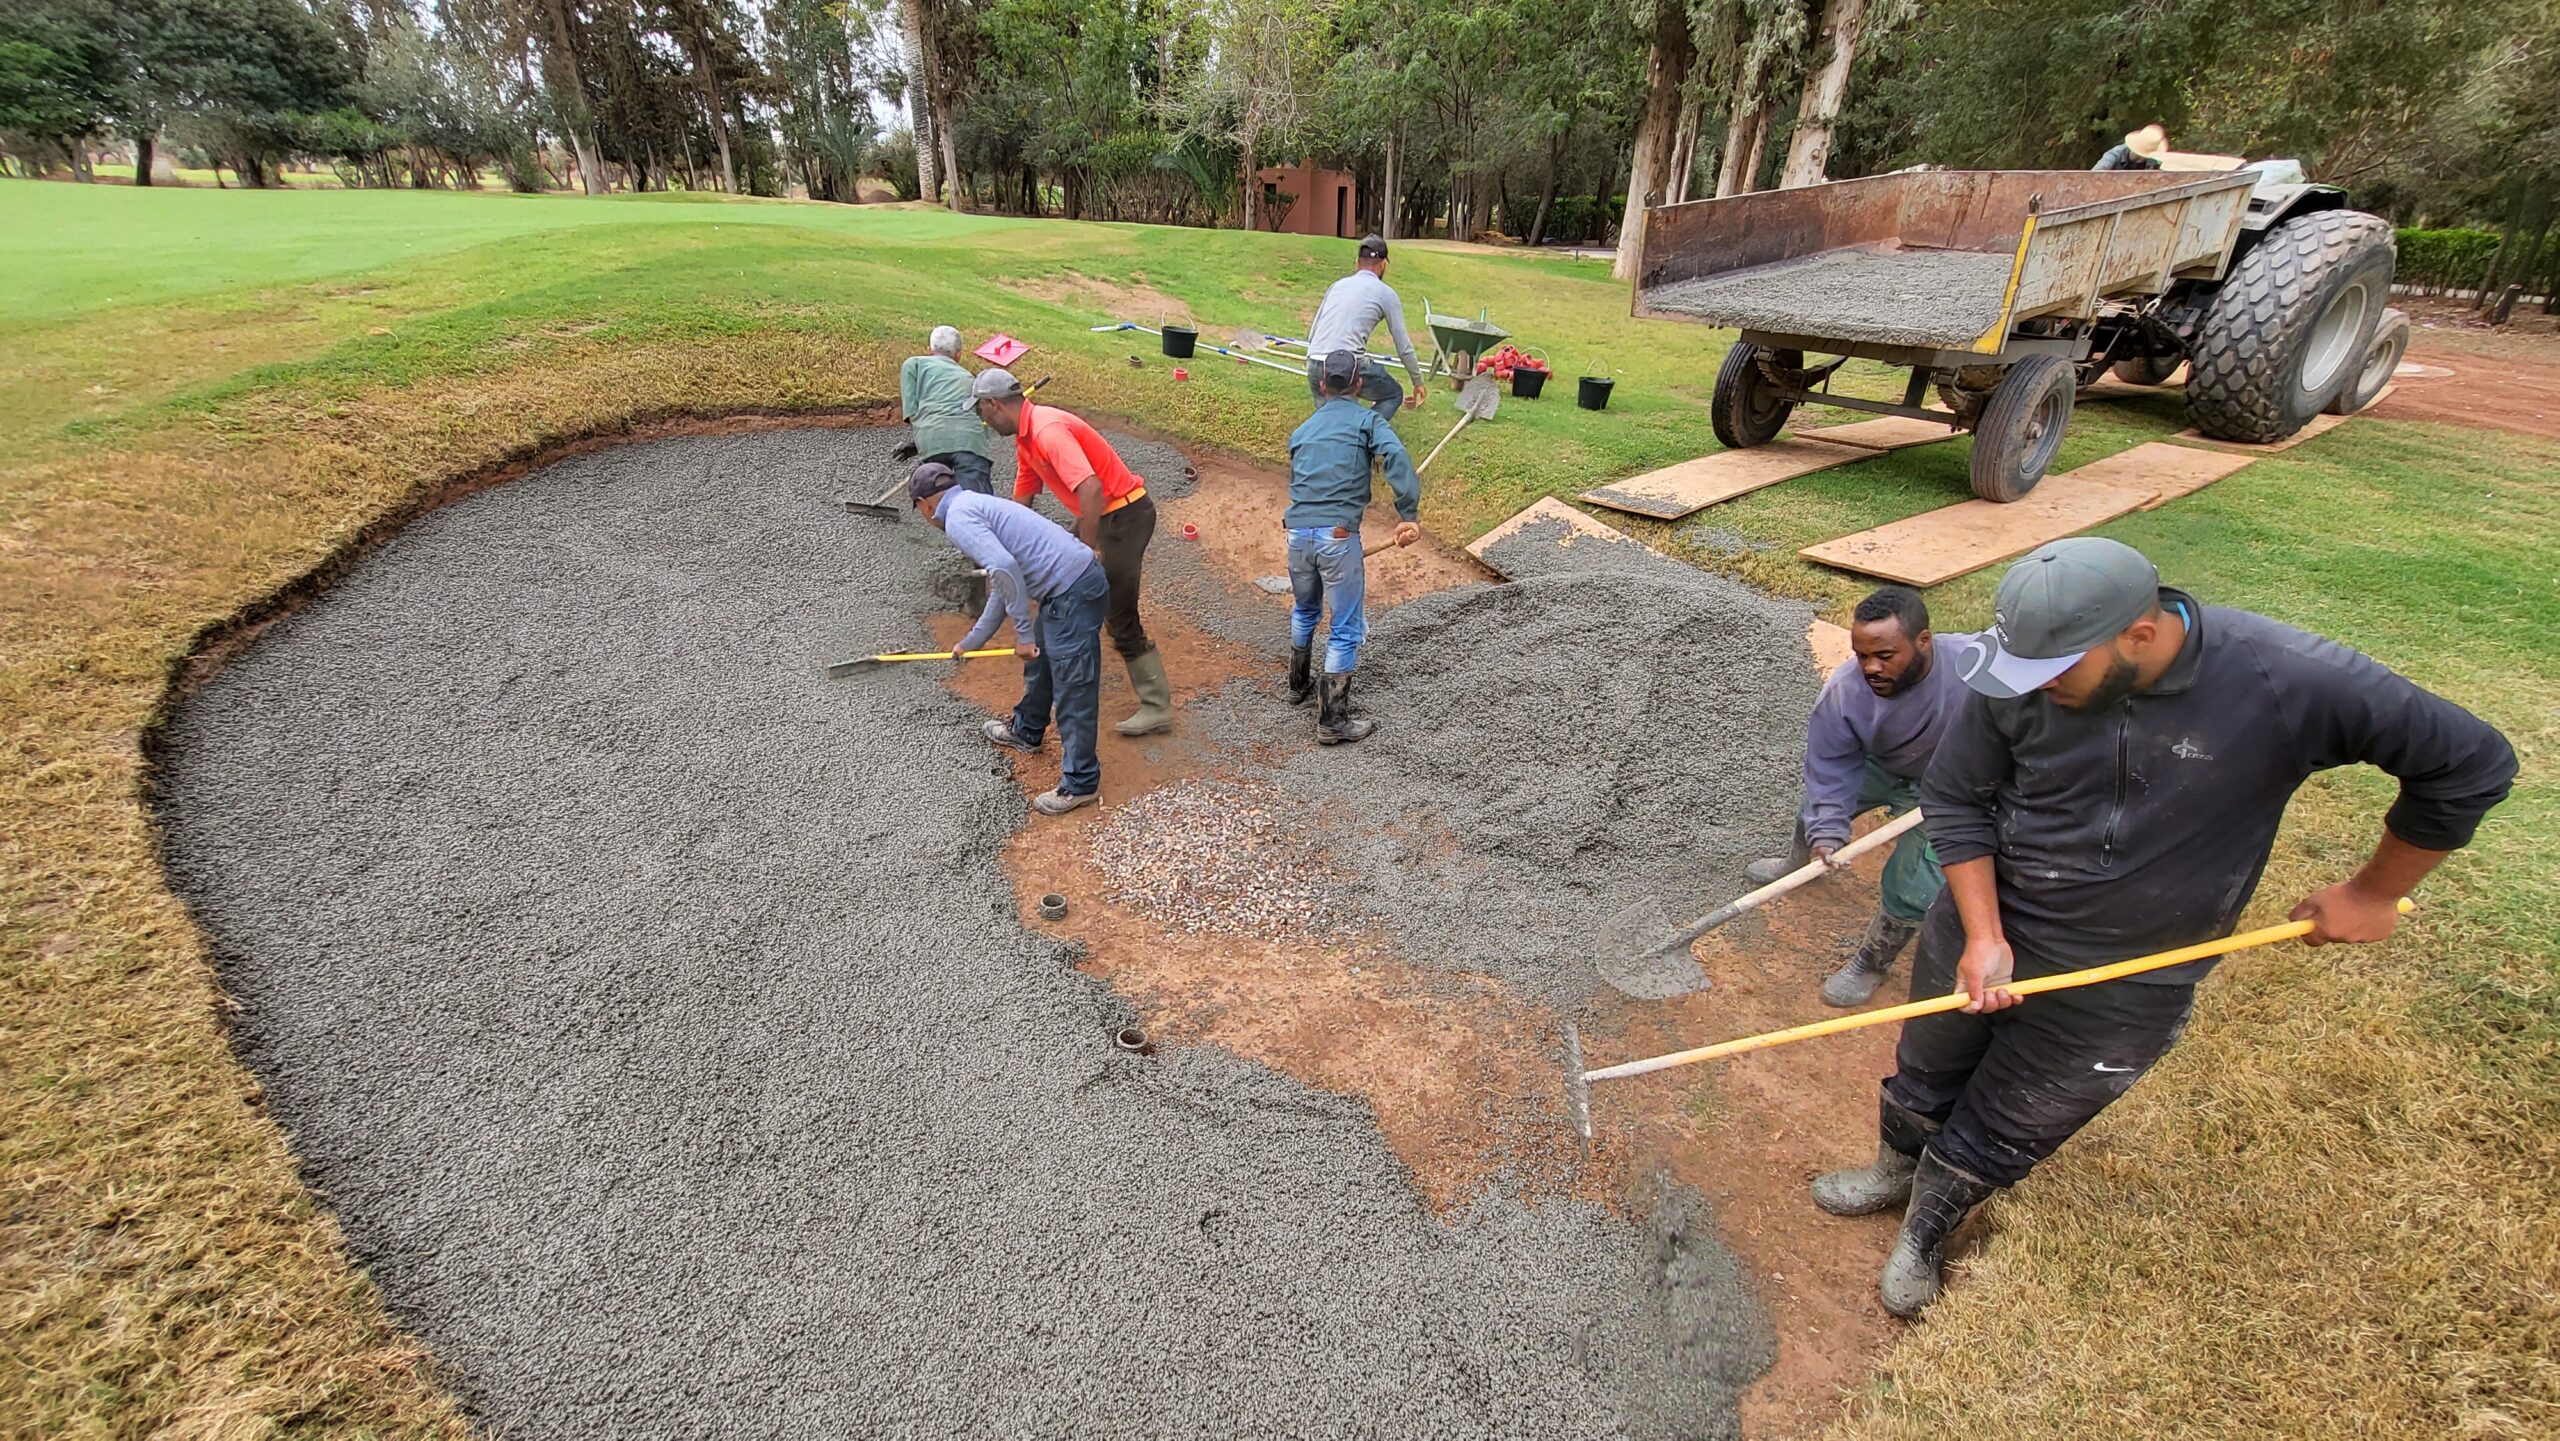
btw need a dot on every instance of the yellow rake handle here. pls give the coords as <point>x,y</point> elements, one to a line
<point>944,654</point>
<point>1955,1000</point>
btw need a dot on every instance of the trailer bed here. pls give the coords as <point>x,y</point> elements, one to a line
<point>1887,295</point>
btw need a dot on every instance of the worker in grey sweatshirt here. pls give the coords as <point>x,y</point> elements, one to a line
<point>2113,790</point>
<point>1348,316</point>
<point>1866,745</point>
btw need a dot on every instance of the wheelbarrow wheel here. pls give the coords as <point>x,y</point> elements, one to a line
<point>2022,426</point>
<point>1748,409</point>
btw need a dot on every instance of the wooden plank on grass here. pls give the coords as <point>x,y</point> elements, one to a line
<point>1693,485</point>
<point>1939,545</point>
<point>1544,508</point>
<point>1829,644</point>
<point>1885,432</point>
<point>2321,424</point>
<point>2173,471</point>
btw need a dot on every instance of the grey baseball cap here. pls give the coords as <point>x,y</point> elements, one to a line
<point>995,384</point>
<point>2055,606</point>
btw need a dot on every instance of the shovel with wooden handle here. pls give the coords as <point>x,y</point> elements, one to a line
<point>1279,584</point>
<point>1578,1081</point>
<point>843,668</point>
<point>1478,399</point>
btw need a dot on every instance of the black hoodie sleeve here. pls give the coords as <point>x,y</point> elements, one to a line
<point>2345,708</point>
<point>1965,773</point>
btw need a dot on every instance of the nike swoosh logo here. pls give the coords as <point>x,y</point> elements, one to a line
<point>2111,1070</point>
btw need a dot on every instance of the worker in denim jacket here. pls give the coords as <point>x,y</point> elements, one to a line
<point>1331,457</point>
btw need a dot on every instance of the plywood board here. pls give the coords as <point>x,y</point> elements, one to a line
<point>1545,507</point>
<point>1939,545</point>
<point>1829,644</point>
<point>2173,471</point>
<point>2320,425</point>
<point>1692,485</point>
<point>1885,432</point>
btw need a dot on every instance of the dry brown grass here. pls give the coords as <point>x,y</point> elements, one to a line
<point>164,1270</point>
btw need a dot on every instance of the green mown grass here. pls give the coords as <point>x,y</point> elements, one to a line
<point>202,391</point>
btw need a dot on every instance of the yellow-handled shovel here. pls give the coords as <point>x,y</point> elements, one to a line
<point>843,668</point>
<point>1577,1085</point>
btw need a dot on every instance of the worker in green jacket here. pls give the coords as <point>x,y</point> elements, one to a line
<point>934,401</point>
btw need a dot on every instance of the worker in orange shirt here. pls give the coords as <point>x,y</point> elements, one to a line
<point>1113,515</point>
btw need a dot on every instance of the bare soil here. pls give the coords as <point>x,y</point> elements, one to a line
<point>1464,1075</point>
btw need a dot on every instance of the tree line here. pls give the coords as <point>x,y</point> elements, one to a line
<point>1539,120</point>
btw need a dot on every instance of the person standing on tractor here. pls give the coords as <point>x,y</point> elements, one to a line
<point>942,418</point>
<point>1058,450</point>
<point>2111,790</point>
<point>1332,456</point>
<point>1868,742</point>
<point>1348,316</point>
<point>2141,150</point>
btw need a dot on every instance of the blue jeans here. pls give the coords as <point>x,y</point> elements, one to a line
<point>1376,387</point>
<point>1067,677</point>
<point>972,470</point>
<point>1322,563</point>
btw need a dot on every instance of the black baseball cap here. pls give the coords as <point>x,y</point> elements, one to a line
<point>1373,247</point>
<point>930,477</point>
<point>1339,369</point>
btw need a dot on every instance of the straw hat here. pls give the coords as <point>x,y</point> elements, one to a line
<point>2150,142</point>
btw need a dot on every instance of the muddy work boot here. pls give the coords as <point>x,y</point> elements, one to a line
<point>1302,676</point>
<point>1335,724</point>
<point>1941,1197</point>
<point>1900,1138</point>
<point>1867,966</point>
<point>1155,696</point>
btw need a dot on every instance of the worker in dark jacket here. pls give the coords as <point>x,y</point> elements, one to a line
<point>1331,456</point>
<point>2113,789</point>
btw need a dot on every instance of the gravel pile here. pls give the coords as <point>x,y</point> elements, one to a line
<point>655,1016</point>
<point>1229,857</point>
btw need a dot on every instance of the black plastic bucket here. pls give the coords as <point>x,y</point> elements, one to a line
<point>1178,340</point>
<point>1527,383</point>
<point>1595,392</point>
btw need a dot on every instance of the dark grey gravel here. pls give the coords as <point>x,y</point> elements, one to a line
<point>1609,737</point>
<point>1889,297</point>
<point>654,1015</point>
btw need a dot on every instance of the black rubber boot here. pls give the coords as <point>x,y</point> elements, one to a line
<point>1302,676</point>
<point>1941,1197</point>
<point>1762,872</point>
<point>1854,982</point>
<point>1900,1138</point>
<point>1335,724</point>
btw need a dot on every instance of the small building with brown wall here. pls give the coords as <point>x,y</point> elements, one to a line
<point>1303,199</point>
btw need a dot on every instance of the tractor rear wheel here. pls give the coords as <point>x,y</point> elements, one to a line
<point>2021,427</point>
<point>2381,361</point>
<point>2290,327</point>
<point>1748,410</point>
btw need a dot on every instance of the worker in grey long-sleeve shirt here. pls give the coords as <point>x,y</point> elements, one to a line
<point>2113,789</point>
<point>1866,745</point>
<point>1031,561</point>
<point>1348,316</point>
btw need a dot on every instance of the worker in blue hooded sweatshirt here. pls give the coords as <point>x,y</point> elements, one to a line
<point>1332,459</point>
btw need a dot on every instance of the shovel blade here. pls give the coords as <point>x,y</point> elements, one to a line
<point>843,668</point>
<point>1479,398</point>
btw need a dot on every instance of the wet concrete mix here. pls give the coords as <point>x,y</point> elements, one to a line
<point>1887,297</point>
<point>655,1015</point>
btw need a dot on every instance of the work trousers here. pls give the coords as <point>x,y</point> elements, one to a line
<point>2006,1089</point>
<point>1325,564</point>
<point>1124,534</point>
<point>1912,876</point>
<point>1065,679</point>
<point>1376,387</point>
<point>972,470</point>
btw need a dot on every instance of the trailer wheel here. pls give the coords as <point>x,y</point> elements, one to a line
<point>1748,411</point>
<point>2381,358</point>
<point>2148,369</point>
<point>2021,427</point>
<point>2291,327</point>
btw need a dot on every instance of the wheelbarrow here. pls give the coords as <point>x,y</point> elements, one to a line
<point>1457,341</point>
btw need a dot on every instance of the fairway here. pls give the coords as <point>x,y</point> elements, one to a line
<point>2330,1207</point>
